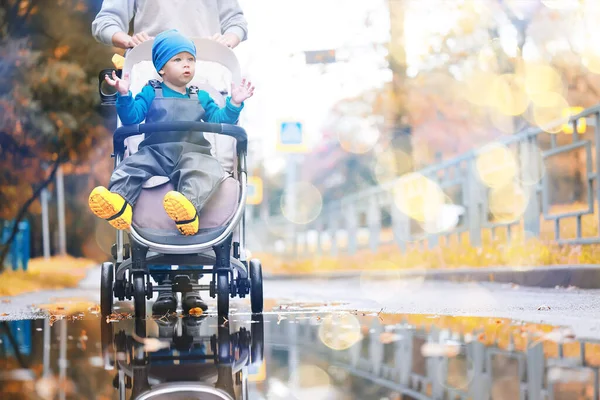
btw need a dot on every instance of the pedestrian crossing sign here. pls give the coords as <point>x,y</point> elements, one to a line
<point>291,137</point>
<point>254,190</point>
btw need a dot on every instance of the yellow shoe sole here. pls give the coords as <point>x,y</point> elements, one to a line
<point>111,207</point>
<point>182,211</point>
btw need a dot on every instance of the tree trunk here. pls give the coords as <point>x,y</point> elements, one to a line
<point>24,209</point>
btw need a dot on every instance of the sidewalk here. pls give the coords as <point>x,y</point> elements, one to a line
<point>581,276</point>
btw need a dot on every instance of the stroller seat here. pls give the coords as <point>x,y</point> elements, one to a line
<point>149,217</point>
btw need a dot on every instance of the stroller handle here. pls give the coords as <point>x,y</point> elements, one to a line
<point>125,131</point>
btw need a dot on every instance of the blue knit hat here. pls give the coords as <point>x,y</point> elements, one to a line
<point>168,44</point>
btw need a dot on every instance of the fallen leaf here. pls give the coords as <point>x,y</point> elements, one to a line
<point>3,315</point>
<point>197,311</point>
<point>6,301</point>
<point>544,308</point>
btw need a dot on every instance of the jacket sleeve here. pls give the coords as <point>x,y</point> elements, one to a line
<point>232,19</point>
<point>214,114</point>
<point>113,17</point>
<point>133,111</point>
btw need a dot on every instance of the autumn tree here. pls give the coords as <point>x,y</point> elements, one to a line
<point>48,97</point>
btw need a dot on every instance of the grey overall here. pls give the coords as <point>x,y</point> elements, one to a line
<point>182,156</point>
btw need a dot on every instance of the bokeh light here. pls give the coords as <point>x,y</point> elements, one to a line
<point>445,220</point>
<point>536,169</point>
<point>496,165</point>
<point>508,203</point>
<point>390,163</point>
<point>540,80</point>
<point>309,204</point>
<point>340,331</point>
<point>504,123</point>
<point>551,115</point>
<point>418,196</point>
<point>508,94</point>
<point>357,135</point>
<point>477,88</point>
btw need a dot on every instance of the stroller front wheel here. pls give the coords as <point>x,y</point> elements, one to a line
<point>256,286</point>
<point>139,295</point>
<point>106,288</point>
<point>223,293</point>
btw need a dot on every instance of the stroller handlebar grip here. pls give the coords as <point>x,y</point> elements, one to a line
<point>125,131</point>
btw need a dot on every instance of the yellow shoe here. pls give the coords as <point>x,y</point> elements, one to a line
<point>111,207</point>
<point>182,211</point>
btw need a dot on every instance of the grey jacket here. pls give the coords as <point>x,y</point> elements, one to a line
<point>193,18</point>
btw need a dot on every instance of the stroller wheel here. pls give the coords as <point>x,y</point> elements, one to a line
<point>106,288</point>
<point>257,342</point>
<point>139,294</point>
<point>223,293</point>
<point>256,286</point>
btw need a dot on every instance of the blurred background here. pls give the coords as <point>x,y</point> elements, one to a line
<point>383,134</point>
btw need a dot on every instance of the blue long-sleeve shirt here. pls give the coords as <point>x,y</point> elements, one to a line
<point>133,111</point>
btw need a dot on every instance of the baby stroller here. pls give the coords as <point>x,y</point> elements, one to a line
<point>202,358</point>
<point>218,248</point>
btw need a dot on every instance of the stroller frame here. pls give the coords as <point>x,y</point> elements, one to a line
<point>128,276</point>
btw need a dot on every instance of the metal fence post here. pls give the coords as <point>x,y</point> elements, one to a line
<point>479,385</point>
<point>376,347</point>
<point>374,222</point>
<point>535,372</point>
<point>333,228</point>
<point>351,227</point>
<point>400,227</point>
<point>530,168</point>
<point>472,203</point>
<point>404,355</point>
<point>319,227</point>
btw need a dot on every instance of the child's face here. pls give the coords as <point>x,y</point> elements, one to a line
<point>180,69</point>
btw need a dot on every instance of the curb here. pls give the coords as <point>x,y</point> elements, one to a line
<point>585,276</point>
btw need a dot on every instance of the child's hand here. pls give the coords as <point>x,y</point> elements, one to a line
<point>241,93</point>
<point>122,85</point>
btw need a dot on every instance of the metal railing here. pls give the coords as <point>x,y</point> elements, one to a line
<point>370,218</point>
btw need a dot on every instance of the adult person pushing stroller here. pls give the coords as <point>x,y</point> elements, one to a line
<point>221,20</point>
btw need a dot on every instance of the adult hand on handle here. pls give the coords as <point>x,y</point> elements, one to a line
<point>124,41</point>
<point>230,40</point>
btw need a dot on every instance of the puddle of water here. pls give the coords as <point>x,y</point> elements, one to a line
<point>291,353</point>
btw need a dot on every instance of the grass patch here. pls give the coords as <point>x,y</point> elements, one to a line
<point>56,273</point>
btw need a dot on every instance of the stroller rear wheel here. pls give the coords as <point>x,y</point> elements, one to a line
<point>256,286</point>
<point>139,294</point>
<point>106,288</point>
<point>223,293</point>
